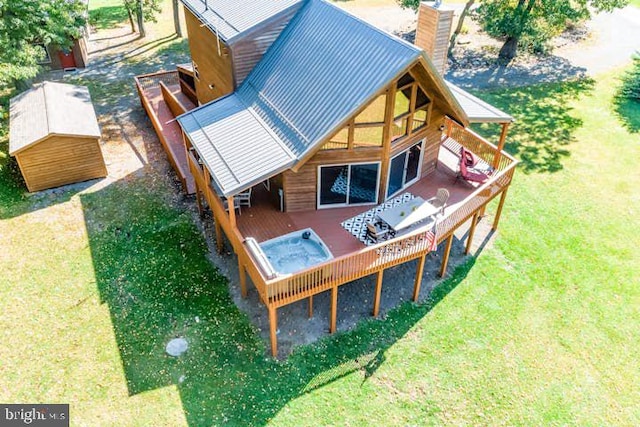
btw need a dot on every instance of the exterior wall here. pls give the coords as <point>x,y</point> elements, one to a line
<point>61,160</point>
<point>300,188</point>
<point>79,51</point>
<point>215,71</point>
<point>249,51</point>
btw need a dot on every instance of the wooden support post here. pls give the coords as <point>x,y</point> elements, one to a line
<point>218,228</point>
<point>496,220</point>
<point>273,329</point>
<point>310,306</point>
<point>503,137</point>
<point>243,276</point>
<point>334,310</point>
<point>472,230</point>
<point>418,281</point>
<point>199,202</point>
<point>376,297</point>
<point>232,211</point>
<point>445,256</point>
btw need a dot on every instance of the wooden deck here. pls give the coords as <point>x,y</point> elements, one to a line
<point>163,120</point>
<point>161,97</point>
<point>264,221</point>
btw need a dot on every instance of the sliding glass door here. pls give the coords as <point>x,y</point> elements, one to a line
<point>404,169</point>
<point>352,184</point>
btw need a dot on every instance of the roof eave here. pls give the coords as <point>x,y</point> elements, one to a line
<point>462,118</point>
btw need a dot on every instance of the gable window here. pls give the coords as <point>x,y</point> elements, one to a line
<point>365,131</point>
<point>350,184</point>
<point>411,108</point>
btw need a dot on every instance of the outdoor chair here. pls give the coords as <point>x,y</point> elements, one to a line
<point>244,198</point>
<point>440,200</point>
<point>377,233</point>
<point>236,204</point>
<point>468,172</point>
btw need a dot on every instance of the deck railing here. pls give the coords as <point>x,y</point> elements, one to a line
<point>152,80</point>
<point>284,290</point>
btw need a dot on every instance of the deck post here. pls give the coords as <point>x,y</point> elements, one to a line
<point>334,309</point>
<point>418,281</point>
<point>310,306</point>
<point>496,220</point>
<point>376,297</point>
<point>232,211</point>
<point>218,228</point>
<point>503,137</point>
<point>243,276</point>
<point>472,230</point>
<point>199,202</point>
<point>273,330</point>
<point>445,256</point>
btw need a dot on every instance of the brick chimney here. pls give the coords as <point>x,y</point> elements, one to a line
<point>433,32</point>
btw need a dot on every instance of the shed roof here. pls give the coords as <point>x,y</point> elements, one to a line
<point>325,65</point>
<point>233,19</point>
<point>476,109</point>
<point>50,108</point>
<point>236,145</point>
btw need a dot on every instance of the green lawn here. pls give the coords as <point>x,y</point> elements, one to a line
<point>541,329</point>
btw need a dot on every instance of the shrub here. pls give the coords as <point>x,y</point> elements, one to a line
<point>631,80</point>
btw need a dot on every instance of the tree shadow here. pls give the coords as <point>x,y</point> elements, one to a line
<point>152,271</point>
<point>628,112</point>
<point>544,125</point>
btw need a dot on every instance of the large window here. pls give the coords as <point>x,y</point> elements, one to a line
<point>411,109</point>
<point>404,169</point>
<point>353,184</point>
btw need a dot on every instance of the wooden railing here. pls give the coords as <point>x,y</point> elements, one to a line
<point>337,271</point>
<point>147,81</point>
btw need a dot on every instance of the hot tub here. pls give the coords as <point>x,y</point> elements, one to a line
<point>293,252</point>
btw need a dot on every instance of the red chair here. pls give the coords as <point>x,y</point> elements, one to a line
<point>467,162</point>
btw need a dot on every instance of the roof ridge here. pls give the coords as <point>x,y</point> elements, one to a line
<point>47,107</point>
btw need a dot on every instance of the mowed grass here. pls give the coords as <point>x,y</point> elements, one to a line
<point>541,329</point>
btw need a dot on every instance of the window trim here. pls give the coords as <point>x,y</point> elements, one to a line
<point>349,165</point>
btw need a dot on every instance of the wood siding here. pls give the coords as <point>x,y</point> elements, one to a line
<point>432,34</point>
<point>215,71</point>
<point>249,51</point>
<point>61,160</point>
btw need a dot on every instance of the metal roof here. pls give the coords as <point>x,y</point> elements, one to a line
<point>235,144</point>
<point>50,108</point>
<point>325,66</point>
<point>476,109</point>
<point>232,19</point>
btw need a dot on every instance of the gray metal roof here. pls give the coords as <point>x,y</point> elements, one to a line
<point>231,19</point>
<point>325,65</point>
<point>476,109</point>
<point>47,109</point>
<point>235,144</point>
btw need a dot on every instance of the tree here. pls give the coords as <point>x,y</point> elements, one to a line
<point>25,24</point>
<point>143,10</point>
<point>532,23</point>
<point>176,18</point>
<point>456,32</point>
<point>631,80</point>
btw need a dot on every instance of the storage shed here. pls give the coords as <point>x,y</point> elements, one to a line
<point>54,135</point>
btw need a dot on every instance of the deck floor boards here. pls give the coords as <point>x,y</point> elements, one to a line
<point>171,131</point>
<point>264,221</point>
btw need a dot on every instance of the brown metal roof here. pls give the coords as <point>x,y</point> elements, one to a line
<point>50,108</point>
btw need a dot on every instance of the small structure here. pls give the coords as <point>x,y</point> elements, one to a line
<point>54,136</point>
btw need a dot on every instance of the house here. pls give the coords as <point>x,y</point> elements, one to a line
<point>54,136</point>
<point>336,122</point>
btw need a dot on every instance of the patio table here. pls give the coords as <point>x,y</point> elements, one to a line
<point>408,213</point>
